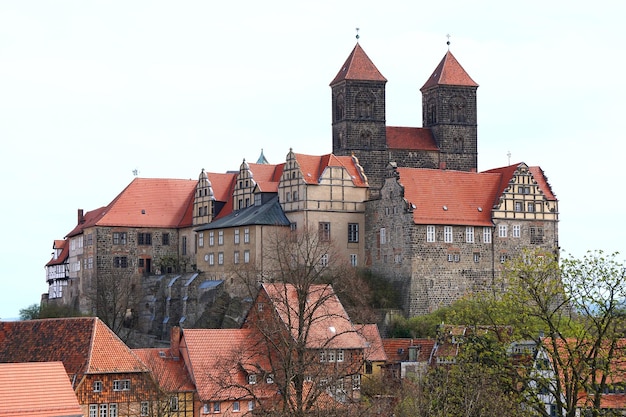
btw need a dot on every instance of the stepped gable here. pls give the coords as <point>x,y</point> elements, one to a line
<point>450,197</point>
<point>84,344</point>
<point>449,72</point>
<point>330,325</point>
<point>411,138</point>
<point>507,173</point>
<point>152,202</point>
<point>37,389</point>
<point>312,167</point>
<point>359,67</point>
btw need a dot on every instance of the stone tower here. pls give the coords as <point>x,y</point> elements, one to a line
<point>358,115</point>
<point>449,111</point>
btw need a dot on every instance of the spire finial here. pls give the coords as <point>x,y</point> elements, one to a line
<point>508,154</point>
<point>448,42</point>
<point>357,34</point>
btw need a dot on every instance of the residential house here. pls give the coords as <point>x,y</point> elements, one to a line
<point>57,269</point>
<point>39,389</point>
<point>407,357</point>
<point>374,356</point>
<point>108,378</point>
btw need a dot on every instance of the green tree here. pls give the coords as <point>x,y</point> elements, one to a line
<point>30,313</point>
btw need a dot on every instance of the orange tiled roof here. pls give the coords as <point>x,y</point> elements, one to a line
<point>169,371</point>
<point>313,166</point>
<point>85,345</point>
<point>222,185</point>
<point>358,66</point>
<point>65,252</point>
<point>330,326</point>
<point>375,350</point>
<point>37,390</point>
<point>152,202</point>
<point>508,172</point>
<point>88,220</point>
<point>397,349</point>
<point>266,172</point>
<point>216,359</point>
<point>450,197</point>
<point>414,138</point>
<point>449,72</point>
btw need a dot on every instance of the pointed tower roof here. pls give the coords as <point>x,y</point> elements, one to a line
<point>449,72</point>
<point>262,159</point>
<point>358,66</point>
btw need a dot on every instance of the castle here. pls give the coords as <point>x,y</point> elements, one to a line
<point>405,202</point>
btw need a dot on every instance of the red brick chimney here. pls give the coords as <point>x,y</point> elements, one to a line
<point>175,341</point>
<point>81,216</point>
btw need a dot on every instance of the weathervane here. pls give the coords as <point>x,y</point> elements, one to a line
<point>357,34</point>
<point>448,42</point>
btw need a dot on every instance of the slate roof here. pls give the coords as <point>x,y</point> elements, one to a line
<point>413,138</point>
<point>216,359</point>
<point>85,345</point>
<point>359,67</point>
<point>37,390</point>
<point>330,326</point>
<point>450,197</point>
<point>449,72</point>
<point>375,351</point>
<point>268,214</point>
<point>313,167</point>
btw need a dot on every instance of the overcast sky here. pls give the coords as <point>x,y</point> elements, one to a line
<point>92,90</point>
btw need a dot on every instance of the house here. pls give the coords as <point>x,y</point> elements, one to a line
<point>374,356</point>
<point>407,357</point>
<point>441,234</point>
<point>39,389</point>
<point>57,269</point>
<point>107,377</point>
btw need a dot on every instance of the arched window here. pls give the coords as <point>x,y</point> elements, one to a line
<point>364,106</point>
<point>339,108</point>
<point>457,110</point>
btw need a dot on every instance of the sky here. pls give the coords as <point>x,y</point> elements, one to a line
<point>91,91</point>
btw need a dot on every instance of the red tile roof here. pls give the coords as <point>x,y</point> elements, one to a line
<point>375,351</point>
<point>397,349</point>
<point>358,66</point>
<point>450,197</point>
<point>508,172</point>
<point>168,370</point>
<point>65,252</point>
<point>413,138</point>
<point>266,172</point>
<point>330,326</point>
<point>152,202</point>
<point>449,72</point>
<point>36,389</point>
<point>222,185</point>
<point>89,219</point>
<point>313,166</point>
<point>216,359</point>
<point>85,345</point>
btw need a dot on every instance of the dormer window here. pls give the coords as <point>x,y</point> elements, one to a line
<point>252,379</point>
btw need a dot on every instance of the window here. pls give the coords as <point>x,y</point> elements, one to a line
<point>246,256</point>
<point>120,262</point>
<point>90,262</point>
<point>523,190</point>
<point>430,233</point>
<point>119,238</point>
<point>288,196</point>
<point>516,230</point>
<point>201,239</point>
<point>353,232</point>
<point>93,410</point>
<point>447,234</point>
<point>236,236</point>
<point>295,196</point>
<point>469,234</point>
<point>246,235</point>
<point>293,226</point>
<point>103,410</point>
<point>184,245</point>
<point>220,258</point>
<point>211,259</point>
<point>322,356</point>
<point>369,369</point>
<point>476,257</point>
<point>486,234</point>
<point>536,235</point>
<point>89,239</point>
<point>519,206</point>
<point>166,239</point>
<point>236,406</point>
<point>206,408</point>
<point>220,237</point>
<point>502,258</point>
<point>502,230</point>
<point>250,405</point>
<point>354,259</point>
<point>330,355</point>
<point>340,355</point>
<point>531,207</point>
<point>269,378</point>
<point>236,257</point>
<point>383,235</point>
<point>174,403</point>
<point>211,238</point>
<point>144,238</point>
<point>252,379</point>
<point>121,385</point>
<point>324,231</point>
<point>145,408</point>
<point>257,199</point>
<point>112,410</point>
<point>324,260</point>
<point>356,382</point>
<point>97,386</point>
<point>216,407</point>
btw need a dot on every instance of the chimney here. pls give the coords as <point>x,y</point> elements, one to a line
<point>175,341</point>
<point>81,216</point>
